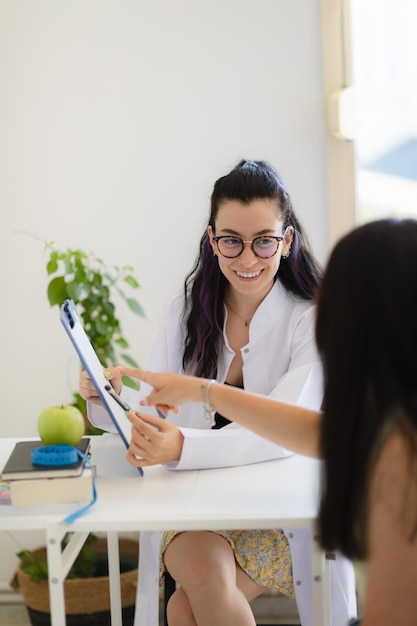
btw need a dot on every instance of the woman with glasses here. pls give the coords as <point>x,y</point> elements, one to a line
<point>245,319</point>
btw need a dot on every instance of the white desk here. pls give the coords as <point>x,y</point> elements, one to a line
<point>276,494</point>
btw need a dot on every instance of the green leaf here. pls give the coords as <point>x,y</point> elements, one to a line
<point>52,265</point>
<point>129,360</point>
<point>79,403</point>
<point>80,275</point>
<point>97,280</point>
<point>108,307</point>
<point>108,277</point>
<point>103,327</point>
<point>74,289</point>
<point>130,382</point>
<point>131,280</point>
<point>135,307</point>
<point>33,566</point>
<point>57,291</point>
<point>69,268</point>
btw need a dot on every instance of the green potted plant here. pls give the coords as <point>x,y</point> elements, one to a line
<point>86,588</point>
<point>95,289</point>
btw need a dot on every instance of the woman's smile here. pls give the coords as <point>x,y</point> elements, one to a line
<point>248,275</point>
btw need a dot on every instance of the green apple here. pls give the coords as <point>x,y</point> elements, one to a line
<point>61,424</point>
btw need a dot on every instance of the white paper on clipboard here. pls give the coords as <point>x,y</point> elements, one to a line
<point>89,359</point>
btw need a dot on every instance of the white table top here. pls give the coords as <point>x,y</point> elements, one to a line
<point>252,496</point>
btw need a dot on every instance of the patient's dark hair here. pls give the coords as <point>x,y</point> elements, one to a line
<point>205,285</point>
<point>366,334</point>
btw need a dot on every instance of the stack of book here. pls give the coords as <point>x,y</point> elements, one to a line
<point>33,485</point>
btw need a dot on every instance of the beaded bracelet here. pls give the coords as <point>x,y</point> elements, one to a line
<point>208,409</point>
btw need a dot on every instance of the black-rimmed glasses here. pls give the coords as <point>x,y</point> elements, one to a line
<point>263,247</point>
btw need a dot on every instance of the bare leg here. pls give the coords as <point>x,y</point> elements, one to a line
<point>214,589</point>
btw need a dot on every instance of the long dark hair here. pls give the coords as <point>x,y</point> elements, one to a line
<point>366,333</point>
<point>205,285</point>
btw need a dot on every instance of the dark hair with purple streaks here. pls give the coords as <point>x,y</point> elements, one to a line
<point>205,285</point>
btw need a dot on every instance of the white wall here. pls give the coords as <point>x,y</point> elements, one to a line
<point>116,117</point>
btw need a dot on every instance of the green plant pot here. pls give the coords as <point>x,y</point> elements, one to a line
<point>87,600</point>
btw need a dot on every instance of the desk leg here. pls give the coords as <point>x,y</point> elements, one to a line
<point>322,602</point>
<point>59,564</point>
<point>114,578</point>
<point>56,577</point>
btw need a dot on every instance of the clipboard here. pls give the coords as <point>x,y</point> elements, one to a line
<point>90,362</point>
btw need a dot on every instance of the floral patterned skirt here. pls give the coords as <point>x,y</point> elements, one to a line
<point>263,554</point>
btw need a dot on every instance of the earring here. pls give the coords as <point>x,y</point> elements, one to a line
<point>285,256</point>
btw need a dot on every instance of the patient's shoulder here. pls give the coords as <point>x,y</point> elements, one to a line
<point>391,531</point>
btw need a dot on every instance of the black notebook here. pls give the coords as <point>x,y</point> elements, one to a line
<point>19,464</point>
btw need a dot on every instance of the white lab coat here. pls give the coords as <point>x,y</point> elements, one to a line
<point>280,361</point>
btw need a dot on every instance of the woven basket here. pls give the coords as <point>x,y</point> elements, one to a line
<point>84,595</point>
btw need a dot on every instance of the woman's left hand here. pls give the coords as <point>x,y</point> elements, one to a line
<point>154,441</point>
